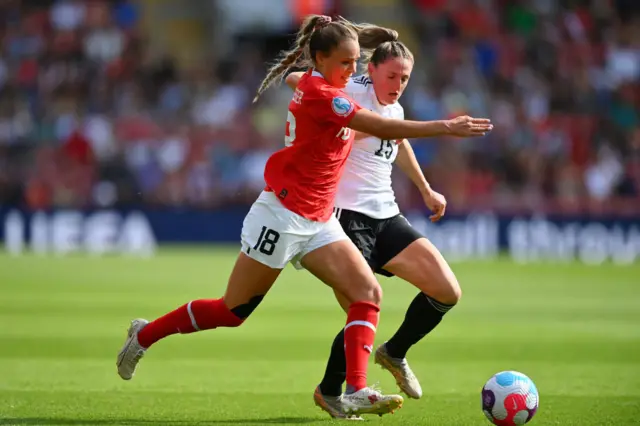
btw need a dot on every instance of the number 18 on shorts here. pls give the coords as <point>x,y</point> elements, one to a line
<point>274,235</point>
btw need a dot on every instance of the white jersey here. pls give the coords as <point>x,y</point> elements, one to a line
<point>365,186</point>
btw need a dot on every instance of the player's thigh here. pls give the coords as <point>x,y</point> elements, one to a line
<point>336,261</point>
<point>361,230</point>
<point>422,264</point>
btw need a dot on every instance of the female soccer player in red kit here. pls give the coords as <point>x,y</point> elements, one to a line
<point>292,221</point>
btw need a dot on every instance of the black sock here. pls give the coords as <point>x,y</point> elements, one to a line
<point>336,371</point>
<point>423,315</point>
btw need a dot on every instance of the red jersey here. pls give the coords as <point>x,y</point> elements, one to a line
<point>305,174</point>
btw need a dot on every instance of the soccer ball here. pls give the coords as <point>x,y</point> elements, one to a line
<point>509,398</point>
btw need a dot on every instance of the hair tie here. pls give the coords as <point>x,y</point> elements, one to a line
<point>323,21</point>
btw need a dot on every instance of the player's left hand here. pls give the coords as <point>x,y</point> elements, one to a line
<point>436,203</point>
<point>465,126</point>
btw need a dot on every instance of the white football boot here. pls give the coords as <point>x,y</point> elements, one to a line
<point>131,352</point>
<point>332,405</point>
<point>370,401</point>
<point>401,371</point>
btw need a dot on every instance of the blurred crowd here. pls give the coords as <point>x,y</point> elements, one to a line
<point>559,79</point>
<point>89,117</point>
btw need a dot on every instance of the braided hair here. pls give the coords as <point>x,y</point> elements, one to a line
<point>321,34</point>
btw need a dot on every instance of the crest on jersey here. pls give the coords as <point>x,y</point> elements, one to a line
<point>341,106</point>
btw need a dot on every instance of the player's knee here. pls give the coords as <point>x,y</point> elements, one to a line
<point>369,291</point>
<point>448,291</point>
<point>447,288</point>
<point>454,294</point>
<point>376,294</point>
<point>242,312</point>
<point>373,290</point>
<point>440,284</point>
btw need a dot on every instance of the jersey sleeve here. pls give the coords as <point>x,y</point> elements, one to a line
<point>331,105</point>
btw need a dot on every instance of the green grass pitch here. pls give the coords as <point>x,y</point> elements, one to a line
<point>574,329</point>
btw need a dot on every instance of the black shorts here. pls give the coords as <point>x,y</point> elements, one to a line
<point>379,240</point>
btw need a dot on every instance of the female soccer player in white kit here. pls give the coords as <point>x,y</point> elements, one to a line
<point>367,210</point>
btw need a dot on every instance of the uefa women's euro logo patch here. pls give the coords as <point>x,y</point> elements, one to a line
<point>341,106</point>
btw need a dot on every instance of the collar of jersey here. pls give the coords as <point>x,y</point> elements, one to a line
<point>315,73</point>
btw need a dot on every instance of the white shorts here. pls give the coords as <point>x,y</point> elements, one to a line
<point>274,235</point>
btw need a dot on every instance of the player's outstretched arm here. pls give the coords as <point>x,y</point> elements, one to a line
<point>293,79</point>
<point>387,128</point>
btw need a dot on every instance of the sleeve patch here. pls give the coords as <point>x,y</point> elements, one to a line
<point>341,106</point>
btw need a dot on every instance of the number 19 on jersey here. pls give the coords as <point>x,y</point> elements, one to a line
<point>386,149</point>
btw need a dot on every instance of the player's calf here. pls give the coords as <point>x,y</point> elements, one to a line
<point>197,315</point>
<point>423,315</point>
<point>359,335</point>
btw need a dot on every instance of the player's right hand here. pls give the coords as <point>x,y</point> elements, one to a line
<point>436,203</point>
<point>465,126</point>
